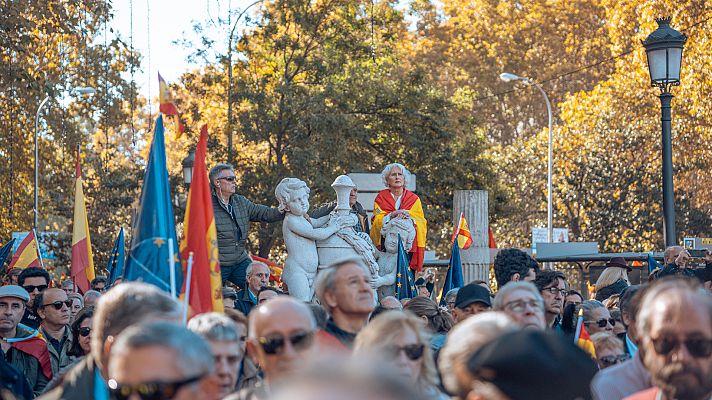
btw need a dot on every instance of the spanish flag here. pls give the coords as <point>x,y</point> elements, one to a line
<point>27,253</point>
<point>82,270</point>
<point>462,234</point>
<point>200,238</point>
<point>582,339</point>
<point>385,204</point>
<point>167,106</point>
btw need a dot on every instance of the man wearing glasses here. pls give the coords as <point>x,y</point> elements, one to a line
<point>54,307</point>
<point>233,214</point>
<point>280,339</point>
<point>552,286</point>
<point>675,327</point>
<point>34,280</point>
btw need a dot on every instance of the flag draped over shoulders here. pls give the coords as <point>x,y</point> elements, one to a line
<point>386,204</point>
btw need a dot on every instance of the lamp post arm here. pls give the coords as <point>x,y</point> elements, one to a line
<point>37,129</point>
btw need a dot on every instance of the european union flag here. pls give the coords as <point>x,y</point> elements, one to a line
<point>154,229</point>
<point>405,287</point>
<point>453,279</point>
<point>652,264</point>
<point>117,259</point>
<point>4,252</point>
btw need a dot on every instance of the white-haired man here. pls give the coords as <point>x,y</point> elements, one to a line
<point>523,303</point>
<point>257,278</point>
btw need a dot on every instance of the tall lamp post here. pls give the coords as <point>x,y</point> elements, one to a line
<point>507,77</point>
<point>663,48</point>
<point>86,91</point>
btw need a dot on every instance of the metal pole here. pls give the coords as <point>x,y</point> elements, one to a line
<point>550,215</point>
<point>37,129</point>
<point>668,191</point>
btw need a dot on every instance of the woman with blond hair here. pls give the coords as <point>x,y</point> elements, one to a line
<point>401,341</point>
<point>613,279</point>
<point>438,320</point>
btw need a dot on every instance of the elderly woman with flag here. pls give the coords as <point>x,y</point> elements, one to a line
<point>394,201</point>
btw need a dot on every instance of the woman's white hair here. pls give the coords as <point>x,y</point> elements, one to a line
<point>387,170</point>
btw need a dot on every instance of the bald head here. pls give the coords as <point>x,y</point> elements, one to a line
<point>391,303</point>
<point>276,310</point>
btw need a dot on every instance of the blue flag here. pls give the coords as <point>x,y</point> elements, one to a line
<point>117,259</point>
<point>652,264</point>
<point>405,287</point>
<point>453,279</point>
<point>154,230</point>
<point>4,252</point>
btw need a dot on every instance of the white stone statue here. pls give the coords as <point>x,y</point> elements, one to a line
<point>300,236</point>
<point>388,260</point>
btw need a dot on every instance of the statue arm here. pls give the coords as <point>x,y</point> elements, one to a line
<point>319,222</point>
<point>387,279</point>
<point>304,228</point>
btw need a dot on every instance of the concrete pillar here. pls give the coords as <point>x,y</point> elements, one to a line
<point>475,260</point>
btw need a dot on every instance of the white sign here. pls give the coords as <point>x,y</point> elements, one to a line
<point>541,235</point>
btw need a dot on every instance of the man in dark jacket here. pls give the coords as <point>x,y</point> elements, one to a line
<point>233,214</point>
<point>676,259</point>
<point>257,278</point>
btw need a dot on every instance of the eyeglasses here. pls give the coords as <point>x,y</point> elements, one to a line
<point>412,351</point>
<point>698,347</point>
<point>31,288</point>
<point>521,305</point>
<point>607,361</point>
<point>274,345</point>
<point>58,304</point>
<point>602,322</point>
<point>84,332</point>
<point>227,178</point>
<point>149,390</point>
<point>553,290</point>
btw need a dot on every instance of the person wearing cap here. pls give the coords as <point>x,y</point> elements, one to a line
<point>530,365</point>
<point>21,347</point>
<point>229,295</point>
<point>552,287</point>
<point>471,299</point>
<point>613,279</point>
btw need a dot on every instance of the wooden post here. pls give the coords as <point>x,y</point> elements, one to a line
<point>475,260</point>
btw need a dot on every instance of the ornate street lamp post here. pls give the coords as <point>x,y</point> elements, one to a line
<point>187,164</point>
<point>663,48</point>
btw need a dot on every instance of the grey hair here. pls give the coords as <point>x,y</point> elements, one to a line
<point>509,288</point>
<point>216,170</point>
<point>587,306</point>
<point>687,290</point>
<point>214,326</point>
<point>667,255</point>
<point>387,170</point>
<point>451,295</point>
<point>285,188</point>
<point>326,279</point>
<point>91,294</point>
<point>127,304</point>
<point>252,265</point>
<point>465,339</point>
<point>193,355</point>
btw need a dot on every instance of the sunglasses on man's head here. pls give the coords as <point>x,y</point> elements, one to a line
<point>58,304</point>
<point>412,351</point>
<point>31,288</point>
<point>697,347</point>
<point>603,322</point>
<point>275,344</point>
<point>149,390</point>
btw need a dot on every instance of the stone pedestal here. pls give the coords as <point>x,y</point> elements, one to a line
<point>475,260</point>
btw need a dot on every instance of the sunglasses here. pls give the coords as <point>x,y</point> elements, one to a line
<point>412,351</point>
<point>58,304</point>
<point>607,361</point>
<point>149,390</point>
<point>698,347</point>
<point>31,288</point>
<point>553,290</point>
<point>275,345</point>
<point>603,322</point>
<point>84,332</point>
<point>228,178</point>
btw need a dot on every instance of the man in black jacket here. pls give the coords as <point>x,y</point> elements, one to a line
<point>233,214</point>
<point>257,278</point>
<point>676,259</point>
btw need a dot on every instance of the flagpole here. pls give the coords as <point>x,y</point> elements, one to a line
<point>187,288</point>
<point>172,266</point>
<point>37,243</point>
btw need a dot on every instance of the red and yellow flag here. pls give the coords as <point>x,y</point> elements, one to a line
<point>384,204</point>
<point>582,339</point>
<point>27,254</point>
<point>167,106</point>
<point>462,234</point>
<point>82,270</point>
<point>200,238</point>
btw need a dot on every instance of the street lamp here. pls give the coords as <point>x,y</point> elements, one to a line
<point>507,77</point>
<point>85,91</point>
<point>663,48</point>
<point>187,164</point>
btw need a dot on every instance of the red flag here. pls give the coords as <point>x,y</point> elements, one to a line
<point>82,270</point>
<point>27,253</point>
<point>166,104</point>
<point>37,348</point>
<point>462,233</point>
<point>200,238</point>
<point>492,243</point>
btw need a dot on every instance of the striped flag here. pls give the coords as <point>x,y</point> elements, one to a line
<point>582,339</point>
<point>462,233</point>
<point>82,270</point>
<point>167,106</point>
<point>200,239</point>
<point>27,253</point>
